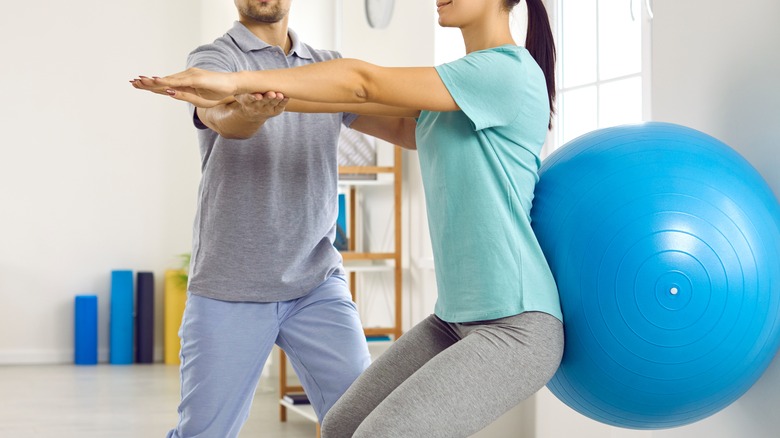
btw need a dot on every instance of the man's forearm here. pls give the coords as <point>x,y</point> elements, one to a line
<point>230,121</point>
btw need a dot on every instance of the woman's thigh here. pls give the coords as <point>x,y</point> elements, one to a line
<point>466,387</point>
<point>410,352</point>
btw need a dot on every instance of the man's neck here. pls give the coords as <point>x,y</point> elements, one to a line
<point>274,34</point>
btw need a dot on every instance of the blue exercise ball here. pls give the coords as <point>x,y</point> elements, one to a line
<point>665,246</point>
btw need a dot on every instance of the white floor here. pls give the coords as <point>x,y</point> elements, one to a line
<point>67,401</point>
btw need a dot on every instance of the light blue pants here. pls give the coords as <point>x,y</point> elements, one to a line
<point>226,344</point>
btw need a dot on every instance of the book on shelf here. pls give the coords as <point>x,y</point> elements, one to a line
<point>296,398</point>
<point>377,338</point>
<point>342,240</point>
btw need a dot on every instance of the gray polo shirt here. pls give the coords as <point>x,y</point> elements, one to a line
<point>267,206</point>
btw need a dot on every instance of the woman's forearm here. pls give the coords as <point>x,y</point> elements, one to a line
<point>350,81</point>
<point>340,81</point>
<point>337,81</point>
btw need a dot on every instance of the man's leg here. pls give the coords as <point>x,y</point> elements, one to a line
<point>224,348</point>
<point>323,337</point>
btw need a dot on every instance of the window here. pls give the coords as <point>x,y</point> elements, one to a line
<point>603,64</point>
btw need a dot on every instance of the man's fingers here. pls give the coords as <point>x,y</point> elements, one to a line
<point>280,101</point>
<point>271,97</point>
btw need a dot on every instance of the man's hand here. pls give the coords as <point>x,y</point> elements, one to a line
<point>242,117</point>
<point>259,106</point>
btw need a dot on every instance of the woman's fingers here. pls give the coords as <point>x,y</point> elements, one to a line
<point>207,84</point>
<point>202,88</point>
<point>145,83</point>
<point>173,81</point>
<point>193,98</point>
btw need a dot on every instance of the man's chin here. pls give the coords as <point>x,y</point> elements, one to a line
<point>265,13</point>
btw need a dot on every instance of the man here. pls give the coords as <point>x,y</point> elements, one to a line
<point>264,269</point>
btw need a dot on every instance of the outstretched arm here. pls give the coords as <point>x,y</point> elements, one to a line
<point>237,117</point>
<point>399,131</point>
<point>338,81</point>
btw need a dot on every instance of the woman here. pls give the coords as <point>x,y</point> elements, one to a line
<point>496,336</point>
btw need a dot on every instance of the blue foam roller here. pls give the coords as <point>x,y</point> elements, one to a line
<point>121,327</point>
<point>86,333</point>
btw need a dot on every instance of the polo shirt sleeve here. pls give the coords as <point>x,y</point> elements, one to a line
<point>208,57</point>
<point>488,86</point>
<point>211,57</point>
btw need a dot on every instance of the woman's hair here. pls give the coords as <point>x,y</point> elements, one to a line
<point>539,42</point>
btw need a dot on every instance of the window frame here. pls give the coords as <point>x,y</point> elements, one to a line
<point>643,9</point>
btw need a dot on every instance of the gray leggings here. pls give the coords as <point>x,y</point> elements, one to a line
<point>449,380</point>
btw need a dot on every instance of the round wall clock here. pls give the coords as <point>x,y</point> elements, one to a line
<point>379,13</point>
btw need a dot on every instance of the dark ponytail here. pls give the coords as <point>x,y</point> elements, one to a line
<point>539,42</point>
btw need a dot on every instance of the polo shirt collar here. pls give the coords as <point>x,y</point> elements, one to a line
<point>247,41</point>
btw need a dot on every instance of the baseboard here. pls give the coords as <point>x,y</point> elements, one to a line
<point>54,357</point>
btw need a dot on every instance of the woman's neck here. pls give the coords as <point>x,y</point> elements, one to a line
<point>487,34</point>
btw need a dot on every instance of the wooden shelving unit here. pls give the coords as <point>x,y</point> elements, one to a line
<point>353,255</point>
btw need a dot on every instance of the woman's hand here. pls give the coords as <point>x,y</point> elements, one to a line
<point>202,88</point>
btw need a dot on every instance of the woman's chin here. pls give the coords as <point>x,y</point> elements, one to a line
<point>445,23</point>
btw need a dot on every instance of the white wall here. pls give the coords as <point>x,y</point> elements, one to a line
<point>314,21</point>
<point>715,68</point>
<point>94,175</point>
<point>217,16</point>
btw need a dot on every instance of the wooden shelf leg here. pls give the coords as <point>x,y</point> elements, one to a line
<point>282,384</point>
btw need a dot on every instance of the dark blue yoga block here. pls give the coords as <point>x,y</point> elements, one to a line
<point>86,330</point>
<point>144,320</point>
<point>121,324</point>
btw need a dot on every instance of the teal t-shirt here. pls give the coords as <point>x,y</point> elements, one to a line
<point>479,168</point>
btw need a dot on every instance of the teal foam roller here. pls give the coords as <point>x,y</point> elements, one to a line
<point>121,325</point>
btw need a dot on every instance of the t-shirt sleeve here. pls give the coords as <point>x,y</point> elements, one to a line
<point>208,57</point>
<point>489,86</point>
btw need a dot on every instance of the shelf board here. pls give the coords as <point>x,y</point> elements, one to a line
<point>365,182</point>
<point>307,411</point>
<point>369,268</point>
<point>349,255</point>
<point>365,169</point>
<point>375,331</point>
